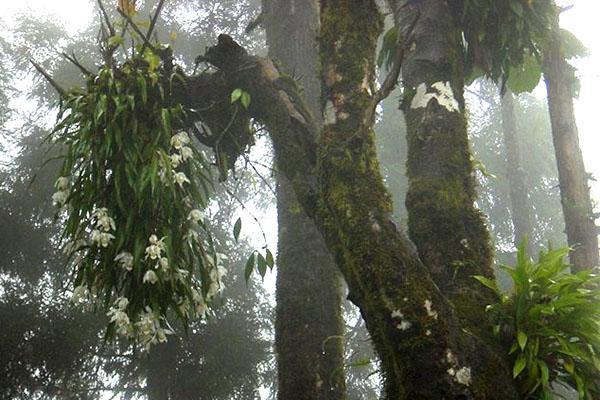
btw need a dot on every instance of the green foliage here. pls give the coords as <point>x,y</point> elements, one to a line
<point>525,77</point>
<point>388,48</point>
<point>572,47</point>
<point>500,35</point>
<point>260,263</point>
<point>242,96</point>
<point>552,323</point>
<point>133,189</point>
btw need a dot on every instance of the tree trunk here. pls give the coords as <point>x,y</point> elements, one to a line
<point>308,323</point>
<point>581,230</point>
<point>515,174</point>
<point>426,351</point>
<point>449,231</point>
<point>161,363</point>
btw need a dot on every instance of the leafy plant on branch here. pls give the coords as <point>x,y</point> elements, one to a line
<point>132,191</point>
<point>551,321</point>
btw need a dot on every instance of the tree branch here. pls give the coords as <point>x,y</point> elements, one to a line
<point>391,79</point>
<point>49,78</point>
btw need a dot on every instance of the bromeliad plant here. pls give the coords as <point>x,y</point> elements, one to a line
<point>133,189</point>
<point>552,323</point>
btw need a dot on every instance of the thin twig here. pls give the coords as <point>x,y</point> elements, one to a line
<point>139,32</point>
<point>111,29</point>
<point>49,78</point>
<point>262,178</point>
<point>243,205</point>
<point>161,3</point>
<point>73,60</point>
<point>391,79</point>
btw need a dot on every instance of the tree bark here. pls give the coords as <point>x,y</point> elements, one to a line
<point>448,229</point>
<point>308,322</point>
<point>515,174</point>
<point>577,207</point>
<point>426,350</point>
<point>161,362</point>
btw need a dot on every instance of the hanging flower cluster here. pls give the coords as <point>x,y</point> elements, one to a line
<point>133,188</point>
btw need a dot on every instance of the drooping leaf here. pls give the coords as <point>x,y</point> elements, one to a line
<point>519,365</point>
<point>236,95</point>
<point>526,77</point>
<point>237,228</point>
<point>250,263</point>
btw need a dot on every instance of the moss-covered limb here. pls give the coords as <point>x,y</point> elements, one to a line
<point>447,228</point>
<point>414,329</point>
<point>309,327</point>
<point>580,223</point>
<point>425,352</point>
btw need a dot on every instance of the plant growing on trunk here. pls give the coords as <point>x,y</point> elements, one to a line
<point>423,321</point>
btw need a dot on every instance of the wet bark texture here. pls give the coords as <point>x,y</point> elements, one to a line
<point>581,230</point>
<point>448,229</point>
<point>514,174</point>
<point>426,350</point>
<point>308,323</point>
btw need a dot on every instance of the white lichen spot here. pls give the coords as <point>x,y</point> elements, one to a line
<point>460,375</point>
<point>442,93</point>
<point>463,376</point>
<point>421,97</point>
<point>429,308</point>
<point>404,325</point>
<point>329,114</point>
<point>342,115</point>
<point>451,358</point>
<point>375,227</point>
<point>446,96</point>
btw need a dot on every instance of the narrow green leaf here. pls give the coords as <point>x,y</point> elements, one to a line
<point>270,259</point>
<point>489,283</point>
<point>249,266</point>
<point>261,265</point>
<point>245,99</point>
<point>519,365</point>
<point>236,95</point>
<point>143,88</point>
<point>166,121</point>
<point>545,373</point>
<point>237,228</point>
<point>522,339</point>
<point>526,77</point>
<point>115,40</point>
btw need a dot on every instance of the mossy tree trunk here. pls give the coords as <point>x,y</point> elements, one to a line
<point>308,321</point>
<point>426,350</point>
<point>448,229</point>
<point>581,229</point>
<point>514,173</point>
